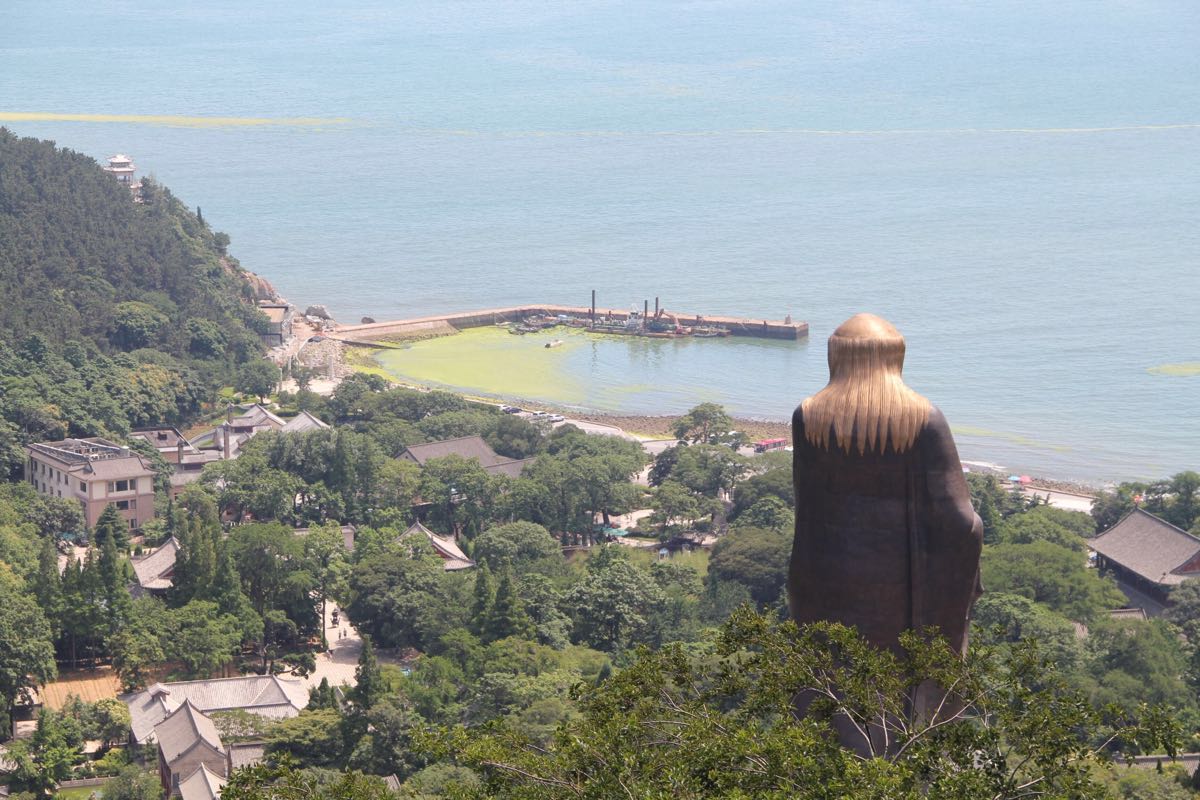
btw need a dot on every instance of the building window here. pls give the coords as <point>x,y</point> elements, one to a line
<point>83,487</point>
<point>122,505</point>
<point>132,524</point>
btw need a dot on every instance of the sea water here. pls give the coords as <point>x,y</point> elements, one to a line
<point>1015,186</point>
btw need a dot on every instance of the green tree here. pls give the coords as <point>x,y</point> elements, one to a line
<point>460,494</point>
<point>1052,575</point>
<point>672,501</point>
<point>524,545</point>
<point>1000,617</point>
<point>282,781</point>
<point>397,597</point>
<point>114,577</point>
<point>613,605</point>
<point>709,469</point>
<point>369,683</point>
<point>110,525</point>
<point>201,638</point>
<point>1184,510</point>
<point>755,558</point>
<point>724,726</point>
<point>707,423</point>
<point>137,325</point>
<point>314,738</point>
<point>507,616</point>
<point>133,783</point>
<point>26,651</point>
<point>258,378</point>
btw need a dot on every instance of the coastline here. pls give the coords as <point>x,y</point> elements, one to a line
<point>338,360</point>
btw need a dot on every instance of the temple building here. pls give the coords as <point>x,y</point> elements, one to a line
<point>1148,557</point>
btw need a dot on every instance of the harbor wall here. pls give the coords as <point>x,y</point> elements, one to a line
<point>763,329</point>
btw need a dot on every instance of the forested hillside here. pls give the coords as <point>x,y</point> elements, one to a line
<point>115,314</point>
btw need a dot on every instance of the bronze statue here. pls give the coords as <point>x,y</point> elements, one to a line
<point>886,537</point>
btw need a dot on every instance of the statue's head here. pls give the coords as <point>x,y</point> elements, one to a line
<point>863,344</point>
<point>866,405</point>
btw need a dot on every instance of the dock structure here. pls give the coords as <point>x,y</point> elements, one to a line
<point>441,323</point>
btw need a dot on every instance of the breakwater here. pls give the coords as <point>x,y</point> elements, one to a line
<point>763,329</point>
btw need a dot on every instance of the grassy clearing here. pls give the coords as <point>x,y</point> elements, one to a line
<point>696,559</point>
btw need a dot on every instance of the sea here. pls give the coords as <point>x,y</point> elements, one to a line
<point>1016,186</point>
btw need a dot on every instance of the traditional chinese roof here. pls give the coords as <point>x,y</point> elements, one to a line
<point>182,729</point>
<point>445,546</point>
<point>466,447</point>
<point>153,571</point>
<point>202,784</point>
<point>265,695</point>
<point>1151,548</point>
<point>512,468</point>
<point>245,754</point>
<point>302,422</point>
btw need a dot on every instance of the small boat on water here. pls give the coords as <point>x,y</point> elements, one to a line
<point>554,343</point>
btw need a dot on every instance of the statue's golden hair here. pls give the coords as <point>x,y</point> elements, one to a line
<point>866,404</point>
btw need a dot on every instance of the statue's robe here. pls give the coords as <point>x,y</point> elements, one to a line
<point>884,542</point>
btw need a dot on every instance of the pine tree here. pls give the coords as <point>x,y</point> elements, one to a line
<point>47,586</point>
<point>114,578</point>
<point>86,615</point>
<point>321,696</point>
<point>110,524</point>
<point>369,684</point>
<point>226,587</point>
<point>508,616</point>
<point>485,595</point>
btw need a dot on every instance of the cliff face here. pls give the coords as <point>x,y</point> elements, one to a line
<point>260,287</point>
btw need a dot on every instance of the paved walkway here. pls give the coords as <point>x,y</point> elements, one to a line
<point>338,667</point>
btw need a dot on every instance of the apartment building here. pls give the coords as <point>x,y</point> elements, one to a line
<point>97,473</point>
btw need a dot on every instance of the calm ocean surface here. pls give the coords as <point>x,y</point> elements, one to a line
<point>1017,187</point>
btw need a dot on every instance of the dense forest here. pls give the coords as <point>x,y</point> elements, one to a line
<point>116,314</point>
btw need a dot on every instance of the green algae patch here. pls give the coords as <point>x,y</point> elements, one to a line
<point>1015,438</point>
<point>492,362</point>
<point>1188,369</point>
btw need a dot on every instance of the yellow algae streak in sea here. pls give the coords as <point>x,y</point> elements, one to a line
<point>491,361</point>
<point>173,120</point>
<point>1188,369</point>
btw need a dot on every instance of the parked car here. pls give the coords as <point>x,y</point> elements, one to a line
<point>556,418</point>
<point>510,409</point>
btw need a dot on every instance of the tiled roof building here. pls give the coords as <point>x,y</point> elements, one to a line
<point>153,572</point>
<point>187,740</point>
<point>202,784</point>
<point>447,549</point>
<point>1148,554</point>
<point>265,695</point>
<point>466,447</point>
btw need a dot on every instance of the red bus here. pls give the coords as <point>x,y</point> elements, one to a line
<point>767,445</point>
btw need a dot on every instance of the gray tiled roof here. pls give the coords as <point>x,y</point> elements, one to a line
<point>1150,547</point>
<point>445,546</point>
<point>246,754</point>
<point>265,695</point>
<point>202,784</point>
<point>182,729</point>
<point>151,569</point>
<point>512,469</point>
<point>467,447</point>
<point>302,422</point>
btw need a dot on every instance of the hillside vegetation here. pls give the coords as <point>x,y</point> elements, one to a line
<point>115,314</point>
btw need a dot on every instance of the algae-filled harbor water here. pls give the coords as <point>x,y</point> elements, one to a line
<point>590,372</point>
<point>631,375</point>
